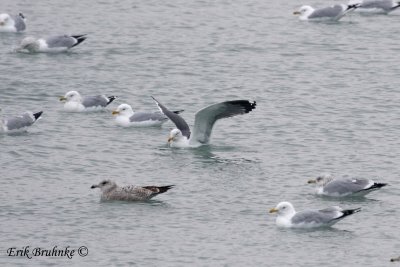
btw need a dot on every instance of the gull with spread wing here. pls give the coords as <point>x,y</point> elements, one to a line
<point>204,122</point>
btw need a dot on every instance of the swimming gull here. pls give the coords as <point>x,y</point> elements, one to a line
<point>126,117</point>
<point>289,218</point>
<point>74,102</point>
<point>204,122</point>
<point>111,191</point>
<point>327,185</point>
<point>395,259</point>
<point>54,44</point>
<point>376,6</point>
<point>19,123</point>
<point>12,23</point>
<point>335,12</point>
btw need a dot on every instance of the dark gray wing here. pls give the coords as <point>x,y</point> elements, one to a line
<point>317,217</point>
<point>95,101</point>
<point>331,12</point>
<point>61,41</point>
<point>206,117</point>
<point>25,120</point>
<point>179,122</point>
<point>147,116</point>
<point>19,22</point>
<point>346,186</point>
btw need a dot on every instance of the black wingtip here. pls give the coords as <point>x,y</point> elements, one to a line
<point>165,188</point>
<point>111,99</point>
<point>178,111</point>
<point>37,115</point>
<point>245,104</point>
<point>379,185</point>
<point>79,38</point>
<point>349,212</point>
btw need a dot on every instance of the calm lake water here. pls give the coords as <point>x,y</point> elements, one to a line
<point>328,101</point>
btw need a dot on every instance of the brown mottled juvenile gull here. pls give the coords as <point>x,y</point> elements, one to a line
<point>288,217</point>
<point>327,185</point>
<point>111,191</point>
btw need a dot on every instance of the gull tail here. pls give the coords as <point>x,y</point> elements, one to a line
<point>79,38</point>
<point>159,189</point>
<point>349,212</point>
<point>37,115</point>
<point>111,99</point>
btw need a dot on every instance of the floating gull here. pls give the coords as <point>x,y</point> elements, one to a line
<point>204,122</point>
<point>74,102</point>
<point>126,117</point>
<point>111,191</point>
<point>12,23</point>
<point>288,217</point>
<point>335,12</point>
<point>19,123</point>
<point>55,44</point>
<point>395,259</point>
<point>327,185</point>
<point>376,6</point>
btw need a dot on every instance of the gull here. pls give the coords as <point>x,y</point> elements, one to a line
<point>327,185</point>
<point>125,117</point>
<point>74,102</point>
<point>289,218</point>
<point>335,12</point>
<point>203,123</point>
<point>377,6</point>
<point>395,259</point>
<point>19,123</point>
<point>54,44</point>
<point>111,191</point>
<point>12,23</point>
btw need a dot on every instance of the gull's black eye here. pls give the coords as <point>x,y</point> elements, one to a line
<point>104,183</point>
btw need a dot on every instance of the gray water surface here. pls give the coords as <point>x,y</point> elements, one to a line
<point>327,101</point>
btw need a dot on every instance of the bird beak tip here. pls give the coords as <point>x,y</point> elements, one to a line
<point>273,210</point>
